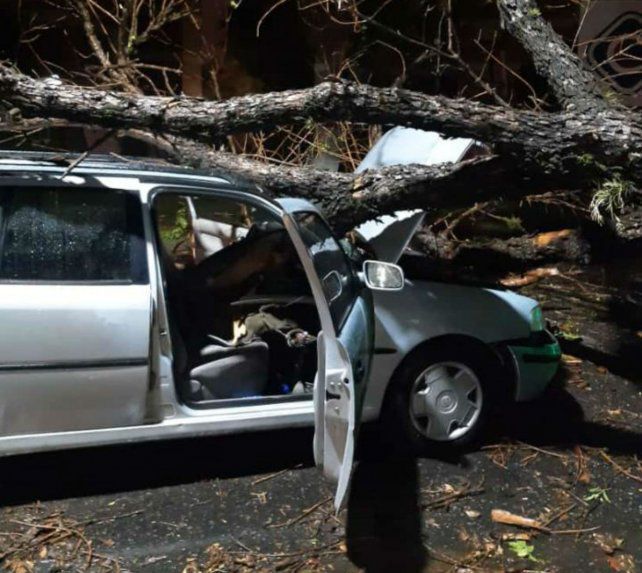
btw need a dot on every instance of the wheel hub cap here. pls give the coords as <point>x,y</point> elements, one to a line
<point>446,401</point>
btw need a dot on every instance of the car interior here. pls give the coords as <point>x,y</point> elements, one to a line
<point>243,322</point>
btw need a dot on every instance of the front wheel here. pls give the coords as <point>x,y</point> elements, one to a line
<point>441,399</point>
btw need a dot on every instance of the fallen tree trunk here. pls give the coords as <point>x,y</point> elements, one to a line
<point>629,225</point>
<point>553,144</point>
<point>349,200</point>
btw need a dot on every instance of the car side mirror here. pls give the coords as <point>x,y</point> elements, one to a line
<point>378,275</point>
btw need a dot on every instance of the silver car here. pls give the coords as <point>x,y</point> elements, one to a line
<point>140,302</point>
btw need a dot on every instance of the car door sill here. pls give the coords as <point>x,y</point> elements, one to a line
<point>249,401</point>
<point>184,425</point>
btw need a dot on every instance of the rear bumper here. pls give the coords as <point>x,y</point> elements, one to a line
<point>535,361</point>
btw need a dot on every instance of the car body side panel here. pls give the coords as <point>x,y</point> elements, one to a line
<point>73,356</point>
<point>426,310</point>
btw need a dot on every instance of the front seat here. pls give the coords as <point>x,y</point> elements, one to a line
<point>230,371</point>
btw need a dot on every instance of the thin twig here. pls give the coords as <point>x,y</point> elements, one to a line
<point>269,477</point>
<point>303,515</point>
<point>618,467</point>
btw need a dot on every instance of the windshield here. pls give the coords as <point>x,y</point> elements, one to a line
<point>340,284</point>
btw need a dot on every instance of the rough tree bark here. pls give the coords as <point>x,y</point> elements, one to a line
<point>544,141</point>
<point>587,141</point>
<point>574,86</point>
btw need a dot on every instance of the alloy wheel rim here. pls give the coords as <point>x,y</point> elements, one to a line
<point>445,401</point>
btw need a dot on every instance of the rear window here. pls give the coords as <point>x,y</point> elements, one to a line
<point>71,235</point>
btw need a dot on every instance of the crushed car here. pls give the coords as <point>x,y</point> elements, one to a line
<point>143,302</point>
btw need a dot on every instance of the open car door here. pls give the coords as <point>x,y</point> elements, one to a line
<point>344,344</point>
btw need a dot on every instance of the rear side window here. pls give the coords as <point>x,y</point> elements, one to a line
<point>71,235</point>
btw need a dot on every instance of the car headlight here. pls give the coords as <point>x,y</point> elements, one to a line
<point>537,319</point>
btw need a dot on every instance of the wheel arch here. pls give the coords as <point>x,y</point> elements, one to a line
<point>466,343</point>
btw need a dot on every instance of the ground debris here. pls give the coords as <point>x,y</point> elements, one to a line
<point>501,454</point>
<point>623,563</point>
<point>582,475</point>
<point>634,476</point>
<point>56,540</point>
<point>453,494</point>
<point>305,513</point>
<point>508,518</point>
<point>529,277</point>
<point>607,543</point>
<point>217,559</point>
<point>516,536</point>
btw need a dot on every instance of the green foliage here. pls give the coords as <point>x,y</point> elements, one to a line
<point>173,234</point>
<point>534,12</point>
<point>610,199</point>
<point>589,161</point>
<point>522,550</point>
<point>597,494</point>
<point>586,159</point>
<point>514,224</point>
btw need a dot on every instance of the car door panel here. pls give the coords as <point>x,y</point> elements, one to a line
<point>356,338</point>
<point>344,350</point>
<point>73,357</point>
<point>38,401</point>
<point>75,308</point>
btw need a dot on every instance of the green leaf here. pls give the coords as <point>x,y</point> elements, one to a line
<point>597,494</point>
<point>522,549</point>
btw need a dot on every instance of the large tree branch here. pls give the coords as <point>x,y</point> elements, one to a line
<point>211,120</point>
<point>346,199</point>
<point>548,142</point>
<point>349,199</point>
<point>573,84</point>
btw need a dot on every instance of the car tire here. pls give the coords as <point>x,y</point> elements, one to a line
<point>441,399</point>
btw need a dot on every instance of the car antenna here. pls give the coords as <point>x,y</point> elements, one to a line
<point>76,162</point>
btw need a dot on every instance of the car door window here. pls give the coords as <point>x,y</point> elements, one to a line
<point>71,235</point>
<point>340,284</point>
